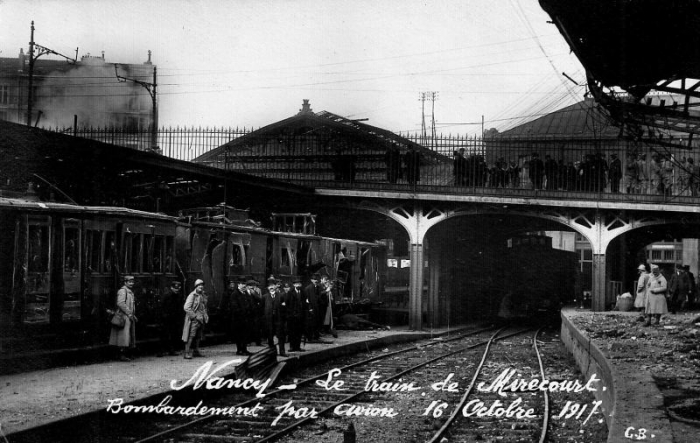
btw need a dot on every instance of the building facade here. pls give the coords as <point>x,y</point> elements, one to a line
<point>85,92</point>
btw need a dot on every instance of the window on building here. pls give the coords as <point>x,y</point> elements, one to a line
<point>4,95</point>
<point>669,255</point>
<point>655,255</point>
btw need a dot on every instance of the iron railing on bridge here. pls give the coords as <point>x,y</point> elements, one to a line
<point>582,168</point>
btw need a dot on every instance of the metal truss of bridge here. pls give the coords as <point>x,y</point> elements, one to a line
<point>598,222</point>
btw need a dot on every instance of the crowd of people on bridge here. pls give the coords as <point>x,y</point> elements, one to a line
<point>662,174</point>
<point>278,313</point>
<point>656,295</point>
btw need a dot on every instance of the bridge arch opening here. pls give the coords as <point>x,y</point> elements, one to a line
<point>493,265</point>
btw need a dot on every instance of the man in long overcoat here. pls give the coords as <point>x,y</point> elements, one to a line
<point>196,316</point>
<point>311,295</point>
<point>656,296</point>
<point>678,289</point>
<point>240,315</point>
<point>171,319</point>
<point>296,315</point>
<point>258,319</point>
<point>275,315</point>
<point>125,337</point>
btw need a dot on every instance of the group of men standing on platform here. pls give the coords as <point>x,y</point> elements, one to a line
<point>656,296</point>
<point>285,311</point>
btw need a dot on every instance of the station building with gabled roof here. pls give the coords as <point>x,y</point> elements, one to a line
<point>317,147</point>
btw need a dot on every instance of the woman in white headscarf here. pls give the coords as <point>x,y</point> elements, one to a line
<point>656,296</point>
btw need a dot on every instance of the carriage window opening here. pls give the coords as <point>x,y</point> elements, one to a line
<point>284,258</point>
<point>236,256</point>
<point>135,251</point>
<point>168,265</point>
<point>94,244</point>
<point>364,253</point>
<point>38,248</point>
<point>71,249</point>
<point>158,252</point>
<point>108,252</point>
<point>148,253</point>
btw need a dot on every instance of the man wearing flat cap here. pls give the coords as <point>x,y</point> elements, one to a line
<point>196,316</point>
<point>125,337</point>
<point>239,310</point>
<point>171,319</point>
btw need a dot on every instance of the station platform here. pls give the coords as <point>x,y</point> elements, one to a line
<point>35,398</point>
<point>652,373</point>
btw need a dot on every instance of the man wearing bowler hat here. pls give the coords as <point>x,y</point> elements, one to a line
<point>240,317</point>
<point>296,313</point>
<point>275,315</point>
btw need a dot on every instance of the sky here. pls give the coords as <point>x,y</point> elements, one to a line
<point>249,63</point>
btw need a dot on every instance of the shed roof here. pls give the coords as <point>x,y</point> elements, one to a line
<point>324,123</point>
<point>582,120</point>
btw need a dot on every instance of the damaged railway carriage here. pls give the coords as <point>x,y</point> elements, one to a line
<point>61,265</point>
<point>236,248</point>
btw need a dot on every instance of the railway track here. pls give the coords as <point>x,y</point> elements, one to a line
<point>354,390</point>
<point>415,393</point>
<point>484,412</point>
<point>317,391</point>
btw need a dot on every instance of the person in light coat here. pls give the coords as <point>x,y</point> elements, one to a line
<point>125,338</point>
<point>656,296</point>
<point>641,297</point>
<point>196,316</point>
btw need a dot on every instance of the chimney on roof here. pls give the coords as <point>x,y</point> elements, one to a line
<point>305,107</point>
<point>21,59</point>
<point>148,62</point>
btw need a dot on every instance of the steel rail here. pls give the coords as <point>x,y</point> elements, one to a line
<point>293,426</point>
<point>269,395</point>
<point>545,421</point>
<point>459,407</point>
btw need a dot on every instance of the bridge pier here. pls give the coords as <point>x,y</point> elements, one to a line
<point>434,308</point>
<point>598,286</point>
<point>415,294</point>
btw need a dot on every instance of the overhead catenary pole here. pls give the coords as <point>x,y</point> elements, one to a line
<point>31,77</point>
<point>152,91</point>
<point>32,59</point>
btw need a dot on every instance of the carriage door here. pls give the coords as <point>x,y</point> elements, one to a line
<point>70,263</point>
<point>38,266</point>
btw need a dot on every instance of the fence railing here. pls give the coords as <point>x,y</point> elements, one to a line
<point>580,167</point>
